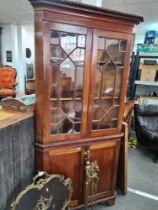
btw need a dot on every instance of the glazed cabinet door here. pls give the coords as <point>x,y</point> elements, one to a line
<point>67,85</point>
<point>108,81</point>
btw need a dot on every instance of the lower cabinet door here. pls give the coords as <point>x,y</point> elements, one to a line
<point>106,156</point>
<point>68,162</point>
<point>71,162</point>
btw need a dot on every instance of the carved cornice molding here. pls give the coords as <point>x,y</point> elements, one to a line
<point>88,8</point>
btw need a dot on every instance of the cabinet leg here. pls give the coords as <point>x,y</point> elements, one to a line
<point>110,202</point>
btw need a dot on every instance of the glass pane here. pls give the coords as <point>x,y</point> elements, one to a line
<point>108,78</point>
<point>57,54</point>
<point>101,43</point>
<point>113,49</point>
<point>68,41</point>
<point>54,89</point>
<point>67,76</point>
<point>78,56</point>
<point>101,118</point>
<point>81,41</point>
<point>102,57</point>
<point>67,61</point>
<point>123,44</point>
<point>113,112</point>
<point>120,59</point>
<point>79,81</point>
<point>118,82</point>
<point>98,82</point>
<point>109,68</point>
<point>57,121</point>
<point>78,109</point>
<point>54,37</point>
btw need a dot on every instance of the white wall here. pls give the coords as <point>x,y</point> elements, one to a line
<point>9,43</point>
<point>93,2</point>
<point>17,38</point>
<point>139,39</point>
<point>29,42</point>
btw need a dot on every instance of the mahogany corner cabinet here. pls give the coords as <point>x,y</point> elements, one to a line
<point>82,60</point>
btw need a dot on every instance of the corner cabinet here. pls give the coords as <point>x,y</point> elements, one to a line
<point>82,58</point>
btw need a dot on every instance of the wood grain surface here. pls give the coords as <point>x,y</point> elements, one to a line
<point>8,117</point>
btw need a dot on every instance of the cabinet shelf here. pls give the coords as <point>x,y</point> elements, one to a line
<point>118,64</point>
<point>79,99</point>
<point>65,99</point>
<point>150,83</point>
<point>59,60</point>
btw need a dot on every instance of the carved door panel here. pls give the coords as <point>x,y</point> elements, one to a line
<point>71,163</point>
<point>106,156</point>
<point>68,162</point>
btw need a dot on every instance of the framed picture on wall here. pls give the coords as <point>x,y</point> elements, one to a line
<point>9,55</point>
<point>29,71</point>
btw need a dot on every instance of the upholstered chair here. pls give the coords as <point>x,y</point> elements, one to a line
<point>146,127</point>
<point>7,81</point>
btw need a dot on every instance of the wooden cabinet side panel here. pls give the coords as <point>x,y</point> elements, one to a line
<point>39,80</point>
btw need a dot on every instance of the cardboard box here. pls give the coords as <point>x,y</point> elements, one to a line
<point>148,72</point>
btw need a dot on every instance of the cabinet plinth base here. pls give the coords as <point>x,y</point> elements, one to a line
<point>109,201</point>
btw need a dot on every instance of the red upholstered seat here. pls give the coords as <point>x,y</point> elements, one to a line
<point>7,81</point>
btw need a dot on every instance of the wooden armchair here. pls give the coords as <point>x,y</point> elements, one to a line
<point>7,81</point>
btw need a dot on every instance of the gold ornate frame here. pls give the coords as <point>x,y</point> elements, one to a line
<point>38,183</point>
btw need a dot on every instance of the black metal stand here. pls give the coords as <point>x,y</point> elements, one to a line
<point>134,67</point>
